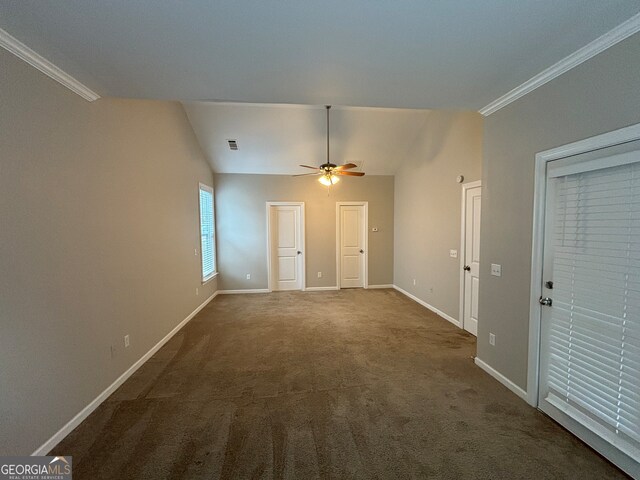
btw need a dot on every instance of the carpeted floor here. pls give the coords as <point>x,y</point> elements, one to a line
<point>350,384</point>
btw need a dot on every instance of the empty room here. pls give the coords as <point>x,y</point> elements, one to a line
<point>337,240</point>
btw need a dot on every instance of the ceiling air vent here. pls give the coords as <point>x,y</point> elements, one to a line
<point>233,144</point>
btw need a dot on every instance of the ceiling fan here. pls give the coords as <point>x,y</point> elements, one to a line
<point>330,172</point>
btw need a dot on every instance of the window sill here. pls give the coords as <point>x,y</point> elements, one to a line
<point>209,278</point>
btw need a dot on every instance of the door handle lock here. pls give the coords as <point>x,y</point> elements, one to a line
<point>361,251</point>
<point>467,268</point>
<point>546,301</point>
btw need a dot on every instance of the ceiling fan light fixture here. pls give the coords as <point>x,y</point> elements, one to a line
<point>327,179</point>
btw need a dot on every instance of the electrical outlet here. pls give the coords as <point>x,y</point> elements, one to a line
<point>248,276</point>
<point>319,274</point>
<point>453,253</point>
<point>195,252</point>
<point>197,292</point>
<point>126,341</point>
<point>496,270</point>
<point>492,339</point>
<point>414,281</point>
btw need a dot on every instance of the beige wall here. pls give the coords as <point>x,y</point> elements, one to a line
<point>241,225</point>
<point>600,95</point>
<point>428,207</point>
<point>98,225</point>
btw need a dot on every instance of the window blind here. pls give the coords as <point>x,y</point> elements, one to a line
<point>207,233</point>
<point>594,339</point>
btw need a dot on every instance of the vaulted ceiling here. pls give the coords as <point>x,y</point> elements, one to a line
<point>293,57</point>
<point>275,139</point>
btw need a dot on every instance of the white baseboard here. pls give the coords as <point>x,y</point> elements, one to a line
<point>430,307</point>
<point>321,289</point>
<point>379,286</point>
<point>86,411</point>
<point>502,379</point>
<point>248,290</point>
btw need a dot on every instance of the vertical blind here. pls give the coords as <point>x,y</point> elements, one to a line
<point>207,232</point>
<point>594,332</point>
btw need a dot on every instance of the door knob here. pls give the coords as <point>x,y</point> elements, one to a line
<point>467,268</point>
<point>546,301</point>
<point>299,252</point>
<point>361,251</point>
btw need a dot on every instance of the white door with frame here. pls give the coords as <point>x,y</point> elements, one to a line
<point>351,235</point>
<point>471,209</point>
<point>286,246</point>
<point>589,371</point>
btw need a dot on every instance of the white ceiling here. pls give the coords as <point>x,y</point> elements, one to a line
<point>275,139</point>
<point>459,54</point>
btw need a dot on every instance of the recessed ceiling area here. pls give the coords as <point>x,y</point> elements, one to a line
<point>406,54</point>
<point>275,139</point>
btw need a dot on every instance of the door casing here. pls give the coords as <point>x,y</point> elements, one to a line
<point>366,241</point>
<point>302,241</point>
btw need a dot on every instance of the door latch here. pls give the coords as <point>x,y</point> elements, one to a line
<point>546,301</point>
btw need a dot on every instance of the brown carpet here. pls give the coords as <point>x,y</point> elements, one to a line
<point>349,384</point>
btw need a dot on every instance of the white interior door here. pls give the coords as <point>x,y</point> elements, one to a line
<point>590,319</point>
<point>471,252</point>
<point>286,247</point>
<point>351,245</point>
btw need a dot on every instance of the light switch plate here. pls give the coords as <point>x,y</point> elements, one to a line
<point>496,270</point>
<point>453,253</point>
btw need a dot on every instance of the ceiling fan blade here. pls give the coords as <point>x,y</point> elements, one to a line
<point>346,166</point>
<point>303,174</point>
<point>307,166</point>
<point>353,174</point>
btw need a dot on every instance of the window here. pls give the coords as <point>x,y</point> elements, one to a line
<point>207,233</point>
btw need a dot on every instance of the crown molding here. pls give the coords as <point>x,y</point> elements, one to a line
<point>36,60</point>
<point>600,44</point>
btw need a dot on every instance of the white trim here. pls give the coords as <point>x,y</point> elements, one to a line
<point>366,241</point>
<point>373,287</point>
<point>616,137</point>
<point>600,44</point>
<point>463,240</point>
<point>20,50</point>
<point>502,379</point>
<point>321,289</point>
<point>86,411</point>
<point>430,307</point>
<point>302,242</point>
<point>211,277</point>
<point>247,290</point>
